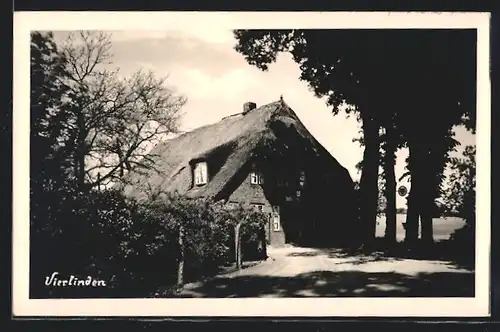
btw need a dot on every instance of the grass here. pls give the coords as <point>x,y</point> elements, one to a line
<point>443,227</point>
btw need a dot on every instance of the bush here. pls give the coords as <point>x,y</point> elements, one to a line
<point>252,231</point>
<point>133,246</point>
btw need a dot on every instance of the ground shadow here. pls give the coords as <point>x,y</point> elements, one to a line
<point>306,253</point>
<point>355,258</point>
<point>444,251</point>
<point>338,284</point>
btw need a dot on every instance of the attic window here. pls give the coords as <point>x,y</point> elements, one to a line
<point>200,174</point>
<point>256,178</point>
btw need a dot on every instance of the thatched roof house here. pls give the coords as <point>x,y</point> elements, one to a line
<point>270,140</point>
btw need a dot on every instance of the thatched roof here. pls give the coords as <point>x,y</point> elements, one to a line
<point>234,138</point>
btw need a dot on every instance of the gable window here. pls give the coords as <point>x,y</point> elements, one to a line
<point>256,178</point>
<point>200,174</point>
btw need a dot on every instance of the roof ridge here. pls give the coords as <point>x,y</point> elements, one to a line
<point>206,126</point>
<point>230,116</point>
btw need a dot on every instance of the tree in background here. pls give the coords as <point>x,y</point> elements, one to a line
<point>460,200</point>
<point>113,120</point>
<point>460,192</point>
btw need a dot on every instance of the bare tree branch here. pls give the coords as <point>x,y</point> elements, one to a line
<point>119,119</point>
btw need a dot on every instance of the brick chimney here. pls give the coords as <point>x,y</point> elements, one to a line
<point>248,106</point>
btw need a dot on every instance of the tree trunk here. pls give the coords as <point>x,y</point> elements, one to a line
<point>427,228</point>
<point>414,197</point>
<point>412,217</point>
<point>427,207</point>
<point>180,269</point>
<point>390,188</point>
<point>237,245</point>
<point>369,179</point>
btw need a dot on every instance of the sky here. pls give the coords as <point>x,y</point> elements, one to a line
<point>203,65</point>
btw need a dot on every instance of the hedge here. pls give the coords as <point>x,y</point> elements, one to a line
<point>133,246</point>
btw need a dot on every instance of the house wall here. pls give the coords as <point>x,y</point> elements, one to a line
<point>322,215</point>
<point>254,194</point>
<point>329,205</point>
<point>319,217</point>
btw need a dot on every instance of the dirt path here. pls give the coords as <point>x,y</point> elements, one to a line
<point>305,272</point>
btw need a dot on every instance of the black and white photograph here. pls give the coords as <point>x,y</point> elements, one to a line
<point>240,163</point>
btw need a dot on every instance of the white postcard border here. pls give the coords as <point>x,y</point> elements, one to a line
<point>24,22</point>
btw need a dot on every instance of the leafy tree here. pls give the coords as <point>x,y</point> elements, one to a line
<point>389,76</point>
<point>113,119</point>
<point>459,198</point>
<point>48,105</point>
<point>445,75</point>
<point>338,70</point>
<point>48,163</point>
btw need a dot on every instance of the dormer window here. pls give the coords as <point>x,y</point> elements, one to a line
<point>200,174</point>
<point>256,178</point>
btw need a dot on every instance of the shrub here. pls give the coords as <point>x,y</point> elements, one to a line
<point>133,246</point>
